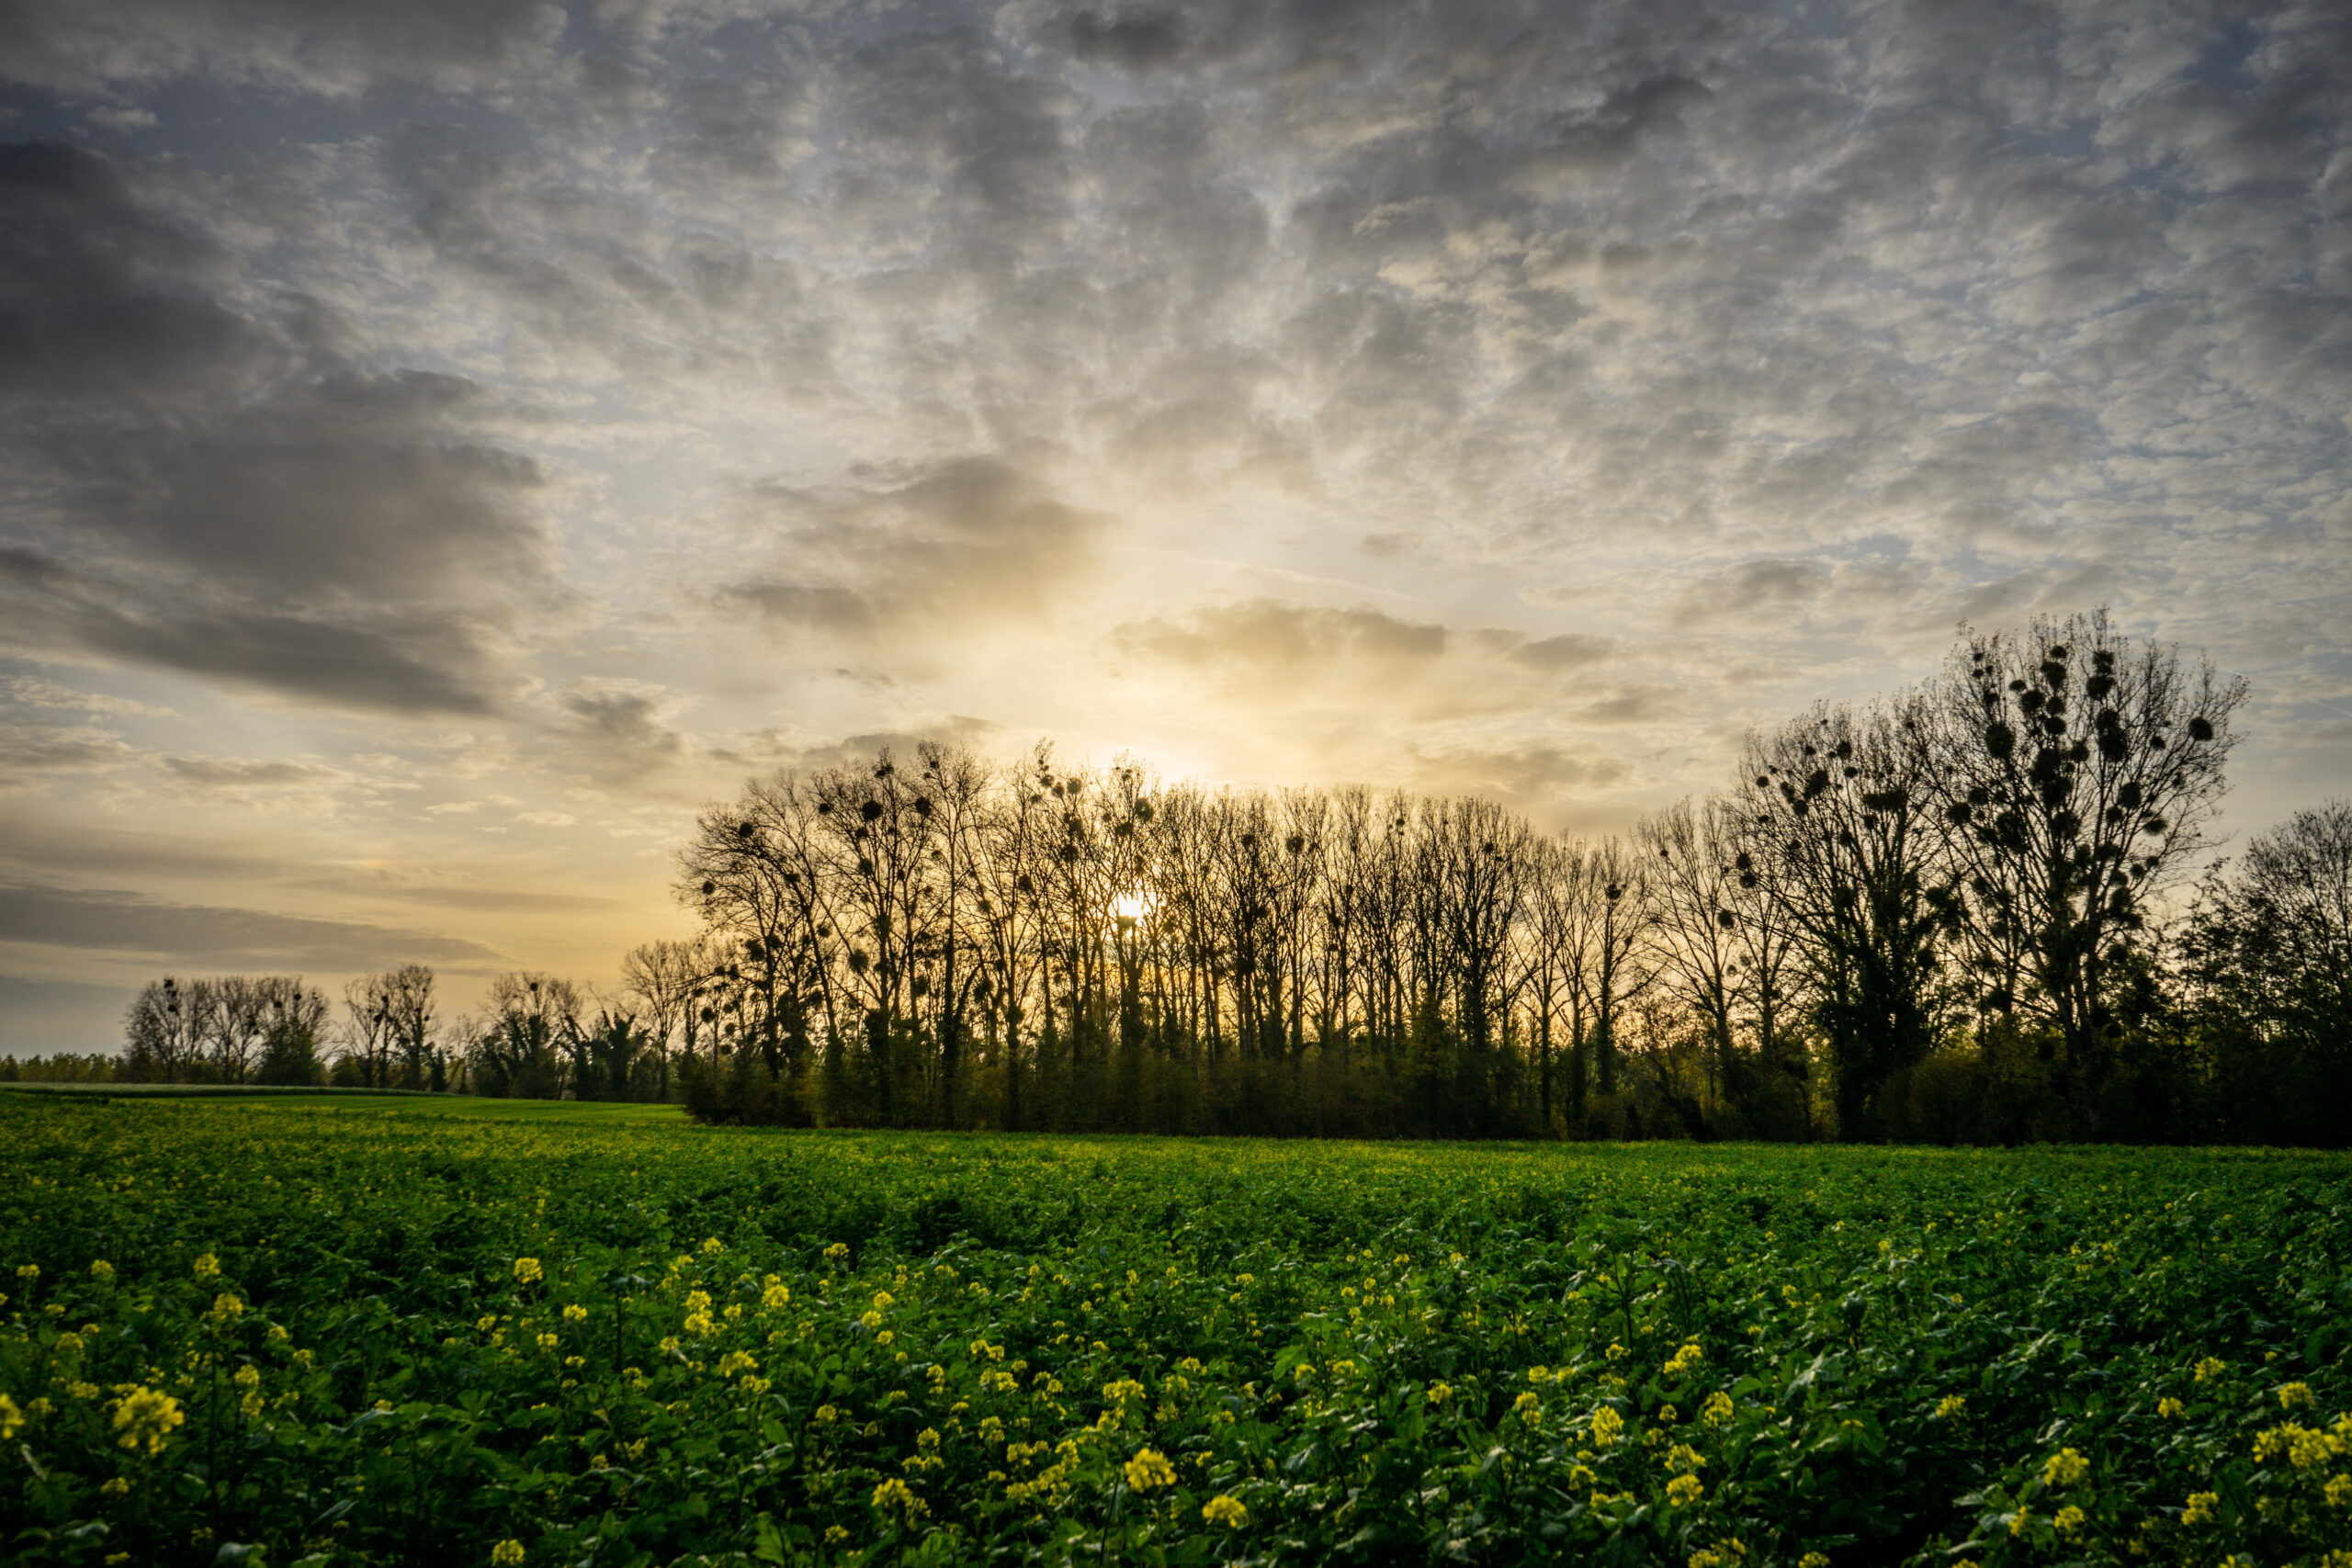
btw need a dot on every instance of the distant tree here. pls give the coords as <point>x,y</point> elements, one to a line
<point>289,1050</point>
<point>1694,846</point>
<point>160,1036</point>
<point>1840,813</point>
<point>519,1052</point>
<point>662,982</point>
<point>2074,771</point>
<point>1621,916</point>
<point>2269,950</point>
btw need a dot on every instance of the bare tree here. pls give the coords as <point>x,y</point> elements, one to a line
<point>2075,770</point>
<point>1840,808</point>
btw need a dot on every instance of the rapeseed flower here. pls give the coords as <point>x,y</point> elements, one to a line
<point>1950,1406</point>
<point>145,1419</point>
<point>575,1313</point>
<point>1440,1392</point>
<point>506,1553</point>
<point>1227,1511</point>
<point>1606,1426</point>
<point>207,1268</point>
<point>2210,1367</point>
<point>102,1271</point>
<point>2293,1395</point>
<point>526,1270</point>
<point>1684,1359</point>
<point>1718,1409</point>
<point>2069,1520</point>
<point>1683,1490</point>
<point>2200,1507</point>
<point>12,1420</point>
<point>2169,1408</point>
<point>1149,1469</point>
<point>2065,1468</point>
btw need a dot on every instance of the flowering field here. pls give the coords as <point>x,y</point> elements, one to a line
<point>247,1332</point>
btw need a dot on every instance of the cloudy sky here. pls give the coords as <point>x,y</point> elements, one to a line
<point>441,442</point>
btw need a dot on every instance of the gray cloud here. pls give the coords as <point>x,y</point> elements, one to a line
<point>1275,639</point>
<point>336,47</point>
<point>947,549</point>
<point>210,488</point>
<point>30,751</point>
<point>123,922</point>
<point>248,774</point>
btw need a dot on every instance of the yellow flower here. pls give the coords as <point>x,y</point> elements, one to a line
<point>226,1310</point>
<point>1821,1560</point>
<point>713,1245</point>
<point>895,1492</point>
<point>2294,1393</point>
<point>145,1419</point>
<point>1683,1460</point>
<point>526,1270</point>
<point>2210,1367</point>
<point>207,1267</point>
<point>102,1271</point>
<point>776,1298</point>
<point>827,1414</point>
<point>1226,1511</point>
<point>1539,1376</point>
<point>1528,1408</point>
<point>2021,1521</point>
<point>1684,1359</point>
<point>1149,1469</point>
<point>2069,1520</point>
<point>1950,1406</point>
<point>2065,1468</point>
<point>1606,1426</point>
<point>882,1299</point>
<point>548,1341</point>
<point>506,1553</point>
<point>2200,1508</point>
<point>1717,1408</point>
<point>1683,1490</point>
<point>12,1420</point>
<point>2169,1408</point>
<point>2338,1491</point>
<point>1440,1392</point>
<point>835,1534</point>
<point>575,1313</point>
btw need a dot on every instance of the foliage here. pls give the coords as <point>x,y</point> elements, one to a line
<point>239,1331</point>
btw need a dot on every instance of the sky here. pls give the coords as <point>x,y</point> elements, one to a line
<point>442,444</point>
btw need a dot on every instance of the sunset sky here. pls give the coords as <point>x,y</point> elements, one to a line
<point>441,442</point>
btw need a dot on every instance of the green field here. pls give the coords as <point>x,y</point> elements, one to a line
<point>472,1332</point>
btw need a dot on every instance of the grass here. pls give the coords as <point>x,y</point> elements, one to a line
<point>337,1331</point>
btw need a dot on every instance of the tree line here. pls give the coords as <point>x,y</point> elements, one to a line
<point>1952,914</point>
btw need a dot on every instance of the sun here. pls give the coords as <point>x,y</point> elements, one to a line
<point>1135,906</point>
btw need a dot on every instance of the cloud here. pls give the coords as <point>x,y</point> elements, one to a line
<point>402,661</point>
<point>121,922</point>
<point>30,752</point>
<point>338,48</point>
<point>211,487</point>
<point>1753,588</point>
<point>947,550</point>
<point>239,774</point>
